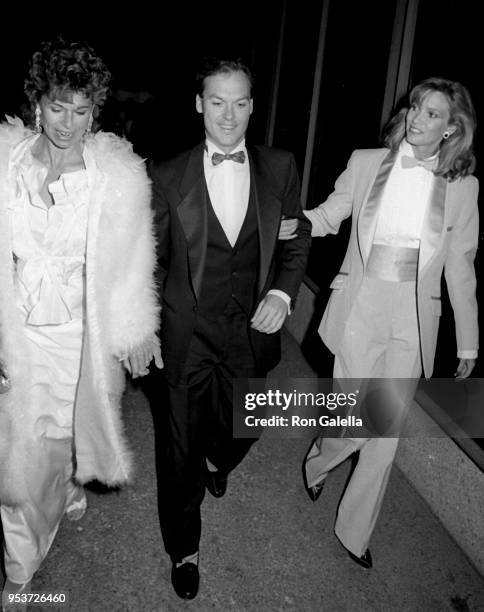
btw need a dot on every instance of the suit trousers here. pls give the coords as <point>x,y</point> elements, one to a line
<point>200,422</point>
<point>380,340</point>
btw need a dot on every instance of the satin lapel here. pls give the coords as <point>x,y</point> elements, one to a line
<point>268,208</point>
<point>433,223</point>
<point>192,212</point>
<point>368,213</point>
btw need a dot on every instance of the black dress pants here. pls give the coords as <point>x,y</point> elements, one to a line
<point>200,424</point>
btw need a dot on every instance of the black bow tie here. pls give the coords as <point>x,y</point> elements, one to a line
<point>218,158</point>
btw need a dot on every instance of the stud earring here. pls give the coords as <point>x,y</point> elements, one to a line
<point>445,135</point>
<point>38,114</point>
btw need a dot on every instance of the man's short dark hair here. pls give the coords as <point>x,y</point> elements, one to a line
<point>212,65</point>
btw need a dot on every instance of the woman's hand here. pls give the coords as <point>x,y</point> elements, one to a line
<point>288,229</point>
<point>140,357</point>
<point>464,368</point>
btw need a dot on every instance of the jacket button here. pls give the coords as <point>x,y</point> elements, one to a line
<point>195,308</point>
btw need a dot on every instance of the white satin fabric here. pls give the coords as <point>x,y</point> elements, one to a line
<point>49,249</point>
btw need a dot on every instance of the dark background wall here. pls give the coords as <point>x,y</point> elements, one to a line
<point>157,55</point>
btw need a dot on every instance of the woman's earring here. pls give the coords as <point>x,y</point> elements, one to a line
<point>445,135</point>
<point>89,125</point>
<point>38,125</point>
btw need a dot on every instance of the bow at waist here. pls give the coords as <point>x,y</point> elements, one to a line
<point>51,288</point>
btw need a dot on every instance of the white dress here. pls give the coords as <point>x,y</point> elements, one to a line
<point>48,246</point>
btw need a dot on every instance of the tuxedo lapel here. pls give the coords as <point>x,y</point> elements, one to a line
<point>433,223</point>
<point>369,212</point>
<point>192,212</point>
<point>268,209</point>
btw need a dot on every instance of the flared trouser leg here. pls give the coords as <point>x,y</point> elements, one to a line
<point>380,341</point>
<point>363,497</point>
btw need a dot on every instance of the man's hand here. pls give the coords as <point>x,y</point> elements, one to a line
<point>140,356</point>
<point>288,229</point>
<point>270,314</point>
<point>464,368</point>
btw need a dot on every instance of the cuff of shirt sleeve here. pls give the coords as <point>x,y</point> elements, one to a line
<point>471,354</point>
<point>283,295</point>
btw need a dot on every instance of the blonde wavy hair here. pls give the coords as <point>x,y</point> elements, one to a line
<point>456,154</point>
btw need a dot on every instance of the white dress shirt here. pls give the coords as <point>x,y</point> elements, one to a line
<point>404,203</point>
<point>228,186</point>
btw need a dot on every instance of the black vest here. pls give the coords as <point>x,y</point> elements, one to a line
<point>230,272</point>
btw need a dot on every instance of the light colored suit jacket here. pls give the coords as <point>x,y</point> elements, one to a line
<point>448,243</point>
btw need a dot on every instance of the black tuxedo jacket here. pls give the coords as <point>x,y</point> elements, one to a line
<point>179,200</point>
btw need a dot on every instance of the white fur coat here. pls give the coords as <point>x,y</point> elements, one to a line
<point>121,310</point>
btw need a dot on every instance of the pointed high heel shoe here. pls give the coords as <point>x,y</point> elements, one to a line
<point>365,560</point>
<point>315,491</point>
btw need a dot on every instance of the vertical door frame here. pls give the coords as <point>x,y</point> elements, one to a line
<point>400,57</point>
<point>313,114</point>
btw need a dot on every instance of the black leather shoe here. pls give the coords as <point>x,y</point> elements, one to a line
<point>365,560</point>
<point>216,483</point>
<point>315,491</point>
<point>185,580</point>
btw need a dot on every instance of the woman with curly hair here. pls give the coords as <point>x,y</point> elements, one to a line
<point>77,301</point>
<point>414,216</point>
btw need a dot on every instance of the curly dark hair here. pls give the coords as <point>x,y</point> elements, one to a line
<point>60,68</point>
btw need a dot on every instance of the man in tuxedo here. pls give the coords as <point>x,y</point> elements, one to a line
<point>227,286</point>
